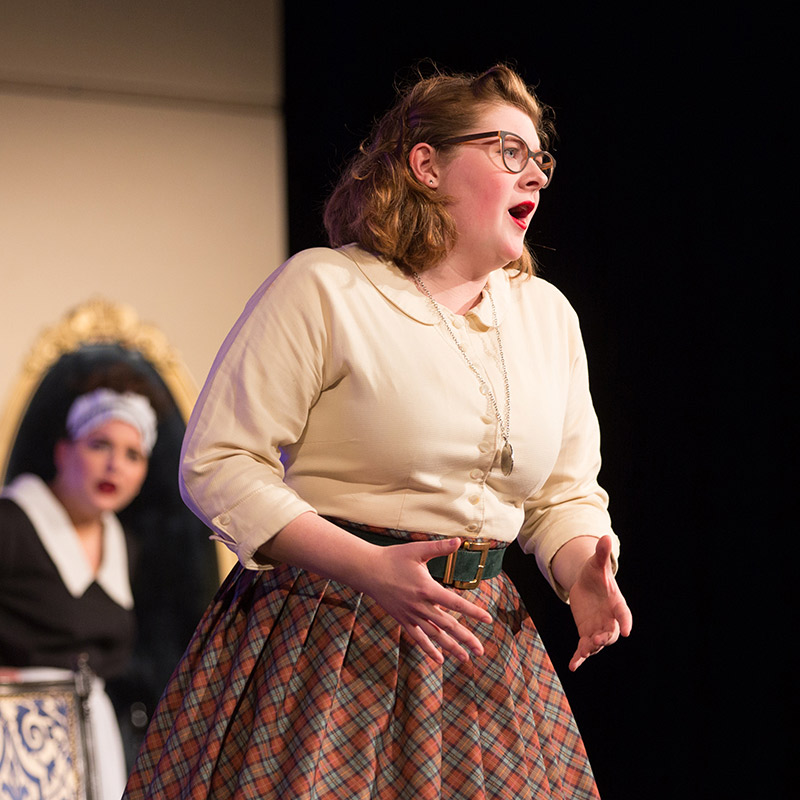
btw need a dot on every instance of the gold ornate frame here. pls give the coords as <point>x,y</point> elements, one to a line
<point>99,321</point>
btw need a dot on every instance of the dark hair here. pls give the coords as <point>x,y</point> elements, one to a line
<point>380,205</point>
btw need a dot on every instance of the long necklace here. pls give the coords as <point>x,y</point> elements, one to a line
<point>507,453</point>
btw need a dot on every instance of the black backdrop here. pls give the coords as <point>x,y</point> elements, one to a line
<point>660,229</point>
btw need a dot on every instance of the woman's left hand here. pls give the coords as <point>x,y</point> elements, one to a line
<point>598,607</point>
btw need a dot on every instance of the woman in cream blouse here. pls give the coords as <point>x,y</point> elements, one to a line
<point>381,421</point>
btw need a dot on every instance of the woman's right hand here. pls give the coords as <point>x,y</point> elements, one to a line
<point>400,583</point>
<point>396,577</point>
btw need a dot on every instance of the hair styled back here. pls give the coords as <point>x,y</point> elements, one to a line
<point>380,205</point>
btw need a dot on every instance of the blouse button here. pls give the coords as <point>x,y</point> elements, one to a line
<point>474,499</point>
<point>476,474</point>
<point>471,527</point>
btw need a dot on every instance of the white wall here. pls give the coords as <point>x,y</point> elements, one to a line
<point>141,161</point>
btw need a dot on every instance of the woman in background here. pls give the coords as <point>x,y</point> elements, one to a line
<point>64,578</point>
<point>383,419</point>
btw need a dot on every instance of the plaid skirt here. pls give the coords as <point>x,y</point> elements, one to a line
<point>300,688</point>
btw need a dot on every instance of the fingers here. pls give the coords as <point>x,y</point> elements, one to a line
<point>448,624</point>
<point>449,644</point>
<point>600,611</point>
<point>428,611</point>
<point>446,598</point>
<point>424,642</point>
<point>437,624</point>
<point>436,629</point>
<point>436,641</point>
<point>625,620</point>
<point>438,547</point>
<point>577,660</point>
<point>585,650</point>
<point>604,547</point>
<point>591,645</point>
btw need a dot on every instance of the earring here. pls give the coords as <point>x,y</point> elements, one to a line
<point>431,181</point>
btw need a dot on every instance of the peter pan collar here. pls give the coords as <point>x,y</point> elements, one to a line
<point>399,290</point>
<point>60,540</point>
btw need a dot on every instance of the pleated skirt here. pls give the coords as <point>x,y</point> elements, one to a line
<point>300,688</point>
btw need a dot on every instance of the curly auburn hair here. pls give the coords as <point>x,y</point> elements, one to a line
<point>380,205</point>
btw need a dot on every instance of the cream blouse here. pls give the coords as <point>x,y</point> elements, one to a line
<point>340,391</point>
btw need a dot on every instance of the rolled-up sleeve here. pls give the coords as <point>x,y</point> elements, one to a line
<point>570,503</point>
<point>265,377</point>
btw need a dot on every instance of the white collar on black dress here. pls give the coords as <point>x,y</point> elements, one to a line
<point>60,540</point>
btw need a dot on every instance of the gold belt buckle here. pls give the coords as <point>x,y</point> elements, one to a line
<point>481,545</point>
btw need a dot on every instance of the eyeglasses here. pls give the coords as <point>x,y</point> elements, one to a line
<point>514,150</point>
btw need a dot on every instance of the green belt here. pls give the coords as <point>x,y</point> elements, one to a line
<point>473,562</point>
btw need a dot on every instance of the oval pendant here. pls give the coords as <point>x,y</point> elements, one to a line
<point>506,459</point>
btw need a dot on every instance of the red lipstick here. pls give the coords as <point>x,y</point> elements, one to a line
<point>521,212</point>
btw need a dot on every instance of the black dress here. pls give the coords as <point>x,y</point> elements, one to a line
<point>53,609</point>
<point>41,623</point>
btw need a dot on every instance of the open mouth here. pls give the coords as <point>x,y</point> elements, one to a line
<point>106,487</point>
<point>521,212</point>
